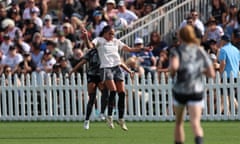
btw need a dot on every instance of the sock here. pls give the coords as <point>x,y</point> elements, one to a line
<point>91,101</point>
<point>111,102</point>
<point>198,140</point>
<point>104,100</point>
<point>121,104</point>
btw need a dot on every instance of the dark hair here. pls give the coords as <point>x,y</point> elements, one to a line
<point>106,29</point>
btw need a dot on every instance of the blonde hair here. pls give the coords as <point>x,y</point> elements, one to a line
<point>187,35</point>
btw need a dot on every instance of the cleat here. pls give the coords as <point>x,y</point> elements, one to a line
<point>109,120</point>
<point>102,117</point>
<point>122,124</point>
<point>86,124</point>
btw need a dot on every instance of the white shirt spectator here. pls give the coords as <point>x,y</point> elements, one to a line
<point>12,61</point>
<point>5,47</point>
<point>99,27</point>
<point>198,23</point>
<point>216,35</point>
<point>26,47</point>
<point>38,21</point>
<point>48,32</point>
<point>129,16</point>
<point>27,12</point>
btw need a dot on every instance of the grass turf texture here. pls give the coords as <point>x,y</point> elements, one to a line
<point>139,133</point>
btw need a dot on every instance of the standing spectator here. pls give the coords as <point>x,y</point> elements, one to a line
<point>189,62</point>
<point>126,14</point>
<point>111,74</point>
<point>219,11</point>
<point>229,58</point>
<point>157,43</point>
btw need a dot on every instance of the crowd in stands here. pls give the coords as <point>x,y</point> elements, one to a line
<point>38,37</point>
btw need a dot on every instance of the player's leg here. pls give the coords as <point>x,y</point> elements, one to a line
<point>179,134</point>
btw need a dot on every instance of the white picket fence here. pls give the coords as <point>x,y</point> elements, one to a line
<point>41,97</point>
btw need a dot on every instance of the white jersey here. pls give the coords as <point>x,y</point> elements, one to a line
<point>108,51</point>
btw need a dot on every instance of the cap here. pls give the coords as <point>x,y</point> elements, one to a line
<point>226,38</point>
<point>97,13</point>
<point>212,41</point>
<point>138,41</point>
<point>12,47</point>
<point>236,33</point>
<point>110,1</point>
<point>48,17</point>
<point>233,5</point>
<point>121,3</point>
<point>47,51</point>
<point>62,58</point>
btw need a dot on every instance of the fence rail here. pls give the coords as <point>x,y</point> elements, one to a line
<point>41,97</point>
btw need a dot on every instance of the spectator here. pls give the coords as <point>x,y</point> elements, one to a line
<point>69,33</point>
<point>9,28</point>
<point>30,28</point>
<point>7,42</point>
<point>36,53</point>
<point>137,7</point>
<point>196,21</point>
<point>52,47</point>
<point>64,65</point>
<point>231,19</point>
<point>25,47</point>
<point>219,11</point>
<point>99,22</point>
<point>2,57</point>
<point>197,31</point>
<point>15,15</point>
<point>111,11</point>
<point>157,43</point>
<point>36,19</point>
<point>163,64</point>
<point>37,40</point>
<point>13,58</point>
<point>146,58</point>
<point>148,8</point>
<point>27,66</point>
<point>133,64</point>
<point>213,31</point>
<point>74,60</point>
<point>48,29</point>
<point>64,44</point>
<point>47,62</point>
<point>236,37</point>
<point>30,5</point>
<point>126,14</point>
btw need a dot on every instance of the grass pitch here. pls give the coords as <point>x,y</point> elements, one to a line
<point>139,133</point>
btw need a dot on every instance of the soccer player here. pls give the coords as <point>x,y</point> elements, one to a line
<point>189,62</point>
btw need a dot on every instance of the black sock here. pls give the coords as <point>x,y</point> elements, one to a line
<point>104,100</point>
<point>111,102</point>
<point>178,142</point>
<point>198,140</point>
<point>91,101</point>
<point>121,104</point>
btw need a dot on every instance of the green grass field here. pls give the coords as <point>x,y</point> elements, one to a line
<point>139,133</point>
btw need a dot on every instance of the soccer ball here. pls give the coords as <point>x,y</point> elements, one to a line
<point>120,24</point>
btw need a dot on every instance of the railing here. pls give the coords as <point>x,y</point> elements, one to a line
<point>41,97</point>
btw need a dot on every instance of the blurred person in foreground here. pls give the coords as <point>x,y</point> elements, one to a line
<point>189,62</point>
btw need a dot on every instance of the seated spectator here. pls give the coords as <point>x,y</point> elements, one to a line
<point>15,15</point>
<point>25,47</point>
<point>126,14</point>
<point>35,17</point>
<point>231,19</point>
<point>9,28</point>
<point>138,7</point>
<point>37,40</point>
<point>146,58</point>
<point>77,55</point>
<point>69,33</point>
<point>13,58</point>
<point>148,8</point>
<point>36,53</point>
<point>157,43</point>
<point>47,62</point>
<point>111,11</point>
<point>197,31</point>
<point>219,11</point>
<point>52,47</point>
<point>30,28</point>
<point>27,66</point>
<point>30,5</point>
<point>64,44</point>
<point>163,63</point>
<point>48,29</point>
<point>99,22</point>
<point>64,65</point>
<point>213,31</point>
<point>7,42</point>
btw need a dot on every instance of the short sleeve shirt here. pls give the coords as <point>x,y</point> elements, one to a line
<point>108,51</point>
<point>193,61</point>
<point>93,62</point>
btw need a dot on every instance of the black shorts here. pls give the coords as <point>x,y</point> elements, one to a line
<point>185,98</point>
<point>93,79</point>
